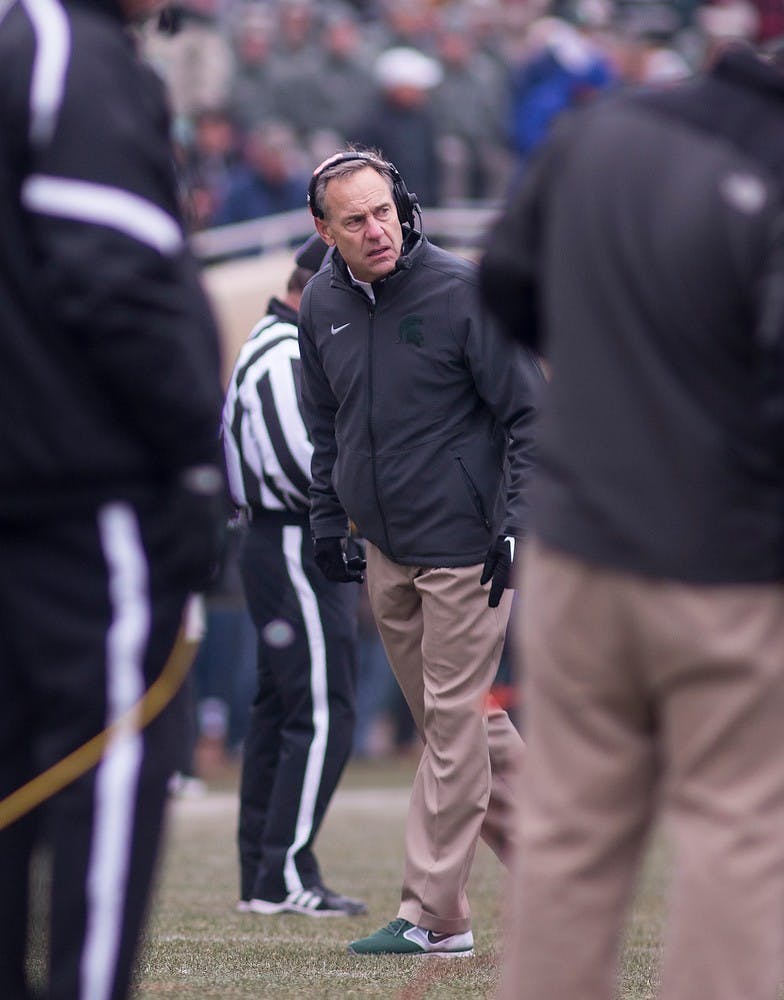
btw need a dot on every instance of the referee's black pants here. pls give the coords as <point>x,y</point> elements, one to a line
<point>302,720</point>
<point>89,612</point>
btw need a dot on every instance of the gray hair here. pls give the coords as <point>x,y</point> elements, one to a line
<point>360,158</point>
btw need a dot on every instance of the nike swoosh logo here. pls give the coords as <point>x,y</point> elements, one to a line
<point>336,329</point>
<point>435,938</point>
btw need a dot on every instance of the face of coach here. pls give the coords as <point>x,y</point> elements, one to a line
<point>360,219</point>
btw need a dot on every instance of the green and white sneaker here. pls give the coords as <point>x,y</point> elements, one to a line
<point>401,937</point>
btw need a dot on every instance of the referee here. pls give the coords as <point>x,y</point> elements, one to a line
<point>302,719</point>
<point>111,492</point>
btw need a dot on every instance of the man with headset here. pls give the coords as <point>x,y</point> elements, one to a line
<point>420,414</point>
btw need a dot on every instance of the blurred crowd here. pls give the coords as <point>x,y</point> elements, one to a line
<point>457,94</point>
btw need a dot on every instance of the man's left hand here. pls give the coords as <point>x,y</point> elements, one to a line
<point>498,568</point>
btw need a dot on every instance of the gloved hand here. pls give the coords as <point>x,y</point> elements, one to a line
<point>199,510</point>
<point>498,568</point>
<point>330,556</point>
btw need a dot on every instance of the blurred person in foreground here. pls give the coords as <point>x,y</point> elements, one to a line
<point>420,418</point>
<point>301,724</point>
<point>111,496</point>
<point>644,255</point>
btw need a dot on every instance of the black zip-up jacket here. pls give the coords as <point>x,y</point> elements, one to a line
<point>419,408</point>
<point>645,255</point>
<point>109,369</point>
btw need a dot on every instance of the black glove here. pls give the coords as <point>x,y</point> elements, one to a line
<point>498,568</point>
<point>330,556</point>
<point>199,509</point>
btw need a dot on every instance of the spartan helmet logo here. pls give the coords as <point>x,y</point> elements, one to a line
<point>410,331</point>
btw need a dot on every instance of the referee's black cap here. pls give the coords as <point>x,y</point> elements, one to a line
<point>311,254</point>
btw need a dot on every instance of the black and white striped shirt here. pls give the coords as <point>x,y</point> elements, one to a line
<point>265,442</point>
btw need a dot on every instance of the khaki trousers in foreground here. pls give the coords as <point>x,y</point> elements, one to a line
<point>444,645</point>
<point>649,699</point>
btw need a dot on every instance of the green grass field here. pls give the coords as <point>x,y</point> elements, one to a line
<point>197,946</point>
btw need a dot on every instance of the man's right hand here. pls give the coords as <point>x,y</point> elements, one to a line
<point>330,557</point>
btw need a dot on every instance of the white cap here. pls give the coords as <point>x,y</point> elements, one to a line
<point>665,66</point>
<point>407,67</point>
<point>732,19</point>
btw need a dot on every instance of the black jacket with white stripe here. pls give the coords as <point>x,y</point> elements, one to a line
<point>265,442</point>
<point>109,367</point>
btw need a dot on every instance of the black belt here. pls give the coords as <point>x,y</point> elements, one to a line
<point>262,515</point>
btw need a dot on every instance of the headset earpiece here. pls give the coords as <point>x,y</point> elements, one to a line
<point>405,201</point>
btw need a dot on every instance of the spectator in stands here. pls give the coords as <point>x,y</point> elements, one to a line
<point>660,64</point>
<point>297,78</point>
<point>269,179</point>
<point>195,61</point>
<point>722,23</point>
<point>297,33</point>
<point>206,162</point>
<point>401,121</point>
<point>770,26</point>
<point>470,108</point>
<point>344,80</point>
<point>562,68</point>
<point>252,98</point>
<point>405,23</point>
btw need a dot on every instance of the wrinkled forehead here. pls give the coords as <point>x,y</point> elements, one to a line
<point>362,190</point>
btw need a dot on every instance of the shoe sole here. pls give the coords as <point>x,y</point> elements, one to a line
<point>305,911</point>
<point>412,954</point>
<point>449,954</point>
<point>262,906</point>
<point>271,909</point>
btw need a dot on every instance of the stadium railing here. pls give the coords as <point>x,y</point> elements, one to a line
<point>458,226</point>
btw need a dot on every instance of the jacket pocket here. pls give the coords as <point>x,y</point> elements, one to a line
<point>473,492</point>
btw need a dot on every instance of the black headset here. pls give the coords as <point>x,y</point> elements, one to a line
<point>406,203</point>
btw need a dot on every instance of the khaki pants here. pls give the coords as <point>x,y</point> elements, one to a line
<point>645,699</point>
<point>444,644</point>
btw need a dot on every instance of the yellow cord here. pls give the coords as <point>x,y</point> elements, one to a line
<point>79,761</point>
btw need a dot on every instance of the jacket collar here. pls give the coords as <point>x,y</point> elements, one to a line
<point>284,312</point>
<point>413,247</point>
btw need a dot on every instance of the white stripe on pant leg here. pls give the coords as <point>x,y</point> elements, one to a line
<point>117,776</point>
<point>314,769</point>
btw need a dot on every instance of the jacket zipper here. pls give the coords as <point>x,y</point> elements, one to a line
<point>475,496</point>
<point>371,438</point>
